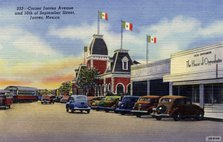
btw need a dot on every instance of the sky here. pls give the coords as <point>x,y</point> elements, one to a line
<point>44,53</point>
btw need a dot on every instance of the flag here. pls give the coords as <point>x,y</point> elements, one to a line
<point>127,25</point>
<point>103,15</point>
<point>151,39</point>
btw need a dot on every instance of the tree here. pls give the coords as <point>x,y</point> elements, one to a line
<point>65,88</point>
<point>87,79</point>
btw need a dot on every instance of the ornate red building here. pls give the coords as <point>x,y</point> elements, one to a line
<point>114,72</point>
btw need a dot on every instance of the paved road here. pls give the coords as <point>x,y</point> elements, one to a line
<point>34,122</point>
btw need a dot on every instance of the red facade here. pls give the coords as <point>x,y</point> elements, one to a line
<point>100,65</point>
<point>122,81</point>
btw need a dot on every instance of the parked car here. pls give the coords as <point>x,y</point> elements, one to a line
<point>6,99</point>
<point>109,103</point>
<point>177,107</point>
<point>64,99</point>
<point>94,99</point>
<point>47,99</point>
<point>126,104</point>
<point>77,102</point>
<point>145,105</point>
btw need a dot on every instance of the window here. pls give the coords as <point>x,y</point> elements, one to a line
<point>120,89</point>
<point>125,61</point>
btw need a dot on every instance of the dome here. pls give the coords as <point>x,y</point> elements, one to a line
<point>98,46</point>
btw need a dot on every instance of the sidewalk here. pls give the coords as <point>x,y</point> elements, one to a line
<point>214,116</point>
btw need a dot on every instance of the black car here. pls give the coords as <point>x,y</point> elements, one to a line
<point>126,104</point>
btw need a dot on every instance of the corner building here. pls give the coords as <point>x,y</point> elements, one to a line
<point>196,73</point>
<point>114,72</point>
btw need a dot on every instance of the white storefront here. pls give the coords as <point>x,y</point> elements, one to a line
<point>198,73</point>
<point>147,79</point>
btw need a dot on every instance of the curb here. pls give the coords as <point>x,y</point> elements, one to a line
<point>213,119</point>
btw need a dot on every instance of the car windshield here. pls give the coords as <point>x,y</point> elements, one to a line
<point>129,99</point>
<point>109,99</point>
<point>81,98</point>
<point>145,99</point>
<point>182,101</point>
<point>166,100</point>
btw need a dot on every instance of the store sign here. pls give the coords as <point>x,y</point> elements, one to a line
<point>198,61</point>
<point>203,60</point>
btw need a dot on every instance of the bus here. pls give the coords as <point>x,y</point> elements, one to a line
<point>23,94</point>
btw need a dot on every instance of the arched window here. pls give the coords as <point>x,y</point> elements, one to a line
<point>125,61</point>
<point>120,89</point>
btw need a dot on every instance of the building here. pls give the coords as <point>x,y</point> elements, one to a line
<point>114,72</point>
<point>196,73</point>
<point>147,79</point>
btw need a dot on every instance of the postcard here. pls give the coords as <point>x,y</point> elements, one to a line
<point>111,71</point>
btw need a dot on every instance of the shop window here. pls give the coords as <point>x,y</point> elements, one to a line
<point>125,61</point>
<point>213,94</point>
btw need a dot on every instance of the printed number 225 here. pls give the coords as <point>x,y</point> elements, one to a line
<point>19,8</point>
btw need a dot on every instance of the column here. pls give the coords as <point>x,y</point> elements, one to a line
<point>131,89</point>
<point>170,88</point>
<point>201,95</point>
<point>148,87</point>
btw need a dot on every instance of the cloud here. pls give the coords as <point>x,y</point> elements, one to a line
<point>47,74</point>
<point>24,41</point>
<point>27,59</point>
<point>173,35</point>
<point>81,32</point>
<point>214,29</point>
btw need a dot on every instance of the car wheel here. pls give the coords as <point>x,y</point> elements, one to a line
<point>158,117</point>
<point>81,111</point>
<point>72,110</point>
<point>138,115</point>
<point>177,117</point>
<point>122,113</point>
<point>67,109</point>
<point>88,111</point>
<point>200,116</point>
<point>9,106</point>
<point>106,110</point>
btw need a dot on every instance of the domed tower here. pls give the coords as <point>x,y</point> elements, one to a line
<point>97,54</point>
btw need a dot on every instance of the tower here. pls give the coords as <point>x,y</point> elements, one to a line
<point>97,54</point>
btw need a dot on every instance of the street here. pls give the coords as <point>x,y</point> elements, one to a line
<point>26,122</point>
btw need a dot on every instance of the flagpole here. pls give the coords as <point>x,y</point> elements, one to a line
<point>98,32</point>
<point>121,35</point>
<point>147,50</point>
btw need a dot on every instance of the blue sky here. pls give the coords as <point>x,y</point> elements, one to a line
<point>177,24</point>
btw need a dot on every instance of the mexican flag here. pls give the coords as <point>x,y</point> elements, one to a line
<point>127,25</point>
<point>103,15</point>
<point>151,39</point>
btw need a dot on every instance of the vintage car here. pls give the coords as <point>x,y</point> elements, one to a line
<point>64,99</point>
<point>47,99</point>
<point>94,100</point>
<point>109,103</point>
<point>77,102</point>
<point>126,104</point>
<point>145,105</point>
<point>6,99</point>
<point>177,107</point>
